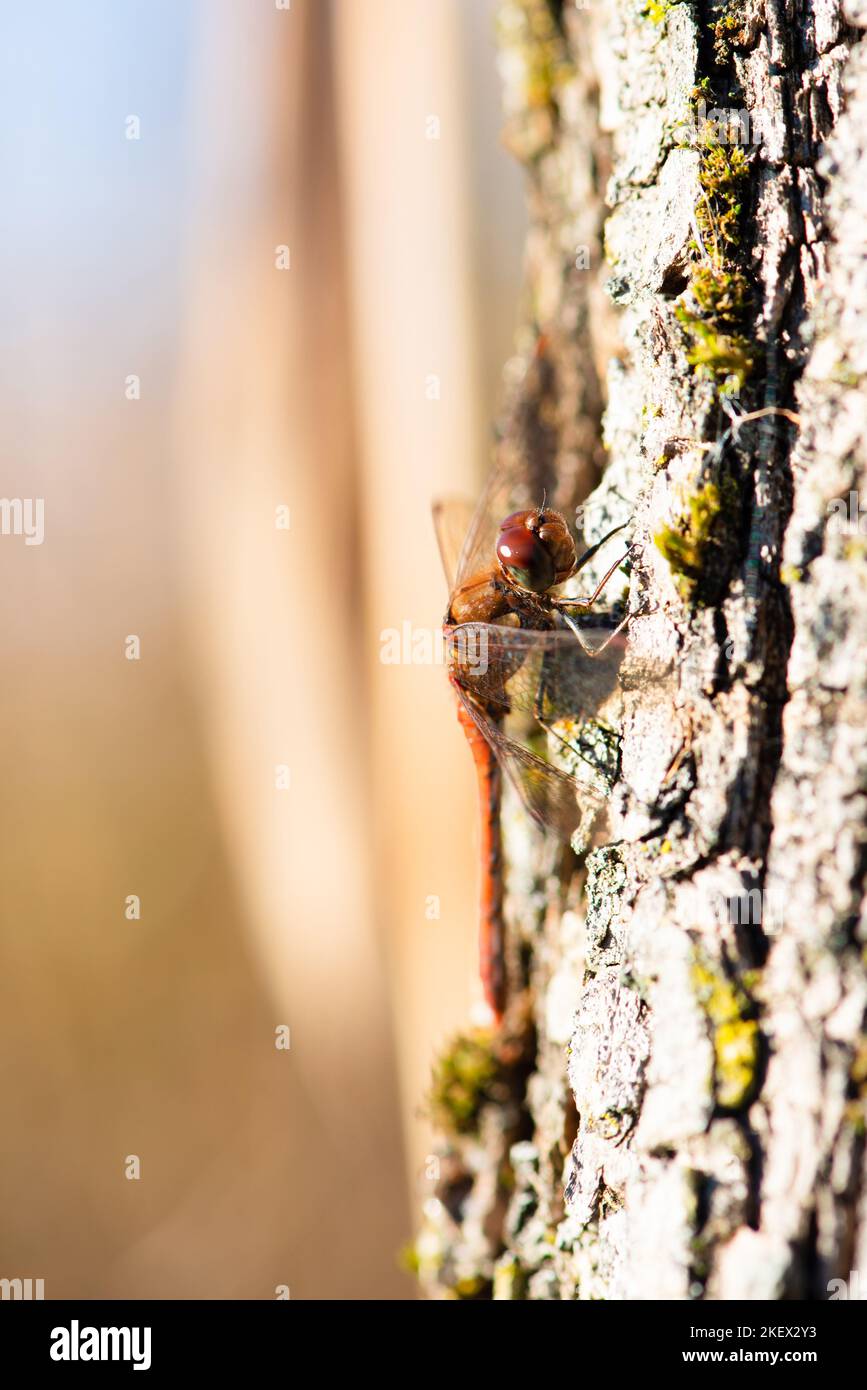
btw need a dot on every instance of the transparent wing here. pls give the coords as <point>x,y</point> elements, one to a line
<point>526,462</point>
<point>452,518</point>
<point>549,795</point>
<point>546,674</point>
<point>507,490</point>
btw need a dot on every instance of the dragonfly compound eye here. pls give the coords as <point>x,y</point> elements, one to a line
<point>535,549</point>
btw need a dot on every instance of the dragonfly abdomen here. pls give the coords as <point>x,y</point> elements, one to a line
<point>492,928</point>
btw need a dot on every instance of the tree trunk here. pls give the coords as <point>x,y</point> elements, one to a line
<point>676,1106</point>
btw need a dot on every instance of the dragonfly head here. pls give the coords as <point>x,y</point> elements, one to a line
<point>535,549</point>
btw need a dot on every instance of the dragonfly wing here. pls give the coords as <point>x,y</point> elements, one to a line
<point>507,490</point>
<point>548,795</point>
<point>525,467</point>
<point>452,518</point>
<point>549,675</point>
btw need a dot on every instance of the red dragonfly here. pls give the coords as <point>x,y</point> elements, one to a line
<point>516,645</point>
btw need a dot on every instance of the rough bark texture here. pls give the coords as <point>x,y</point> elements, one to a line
<point>677,1106</point>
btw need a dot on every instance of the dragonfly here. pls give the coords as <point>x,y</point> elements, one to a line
<point>518,646</point>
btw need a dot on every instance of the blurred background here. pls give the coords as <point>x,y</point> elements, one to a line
<point>262,264</point>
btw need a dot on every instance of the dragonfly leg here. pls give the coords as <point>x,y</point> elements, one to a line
<point>589,602</point>
<point>564,743</point>
<point>588,554</point>
<point>561,604</point>
<point>594,651</point>
<point>539,710</point>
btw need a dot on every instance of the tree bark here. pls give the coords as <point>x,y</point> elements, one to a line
<point>676,1107</point>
